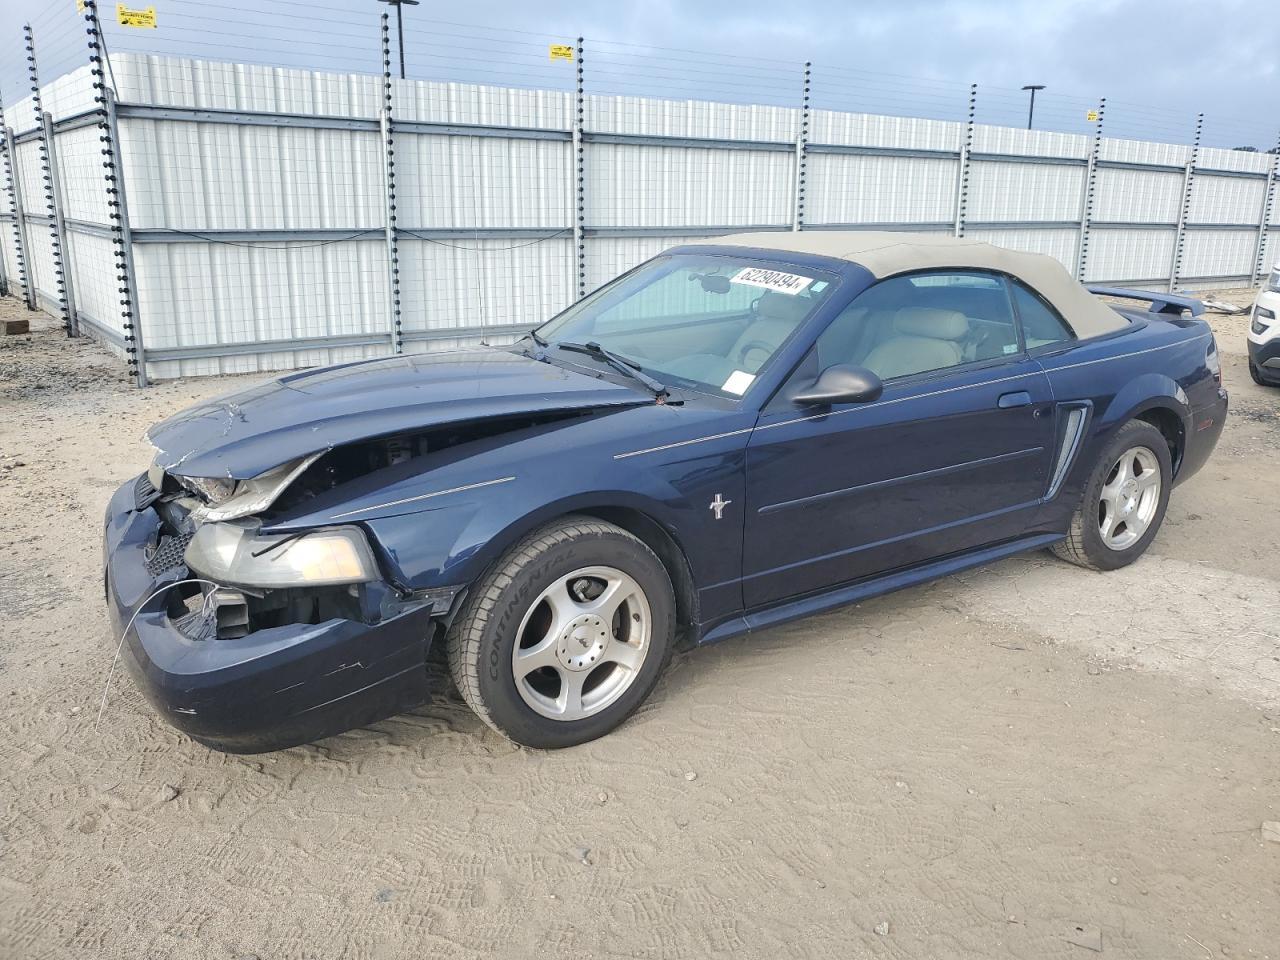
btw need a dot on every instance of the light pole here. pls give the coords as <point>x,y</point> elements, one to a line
<point>399,5</point>
<point>1031,111</point>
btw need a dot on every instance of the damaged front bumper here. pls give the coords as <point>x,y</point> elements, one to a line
<point>273,688</point>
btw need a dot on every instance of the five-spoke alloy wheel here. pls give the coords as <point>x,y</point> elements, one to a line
<point>564,637</point>
<point>1129,498</point>
<point>582,643</point>
<point>1123,502</point>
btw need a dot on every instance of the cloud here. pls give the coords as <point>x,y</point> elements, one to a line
<point>1166,60</point>
<point>1158,63</point>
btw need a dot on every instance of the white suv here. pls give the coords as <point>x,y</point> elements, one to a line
<point>1264,333</point>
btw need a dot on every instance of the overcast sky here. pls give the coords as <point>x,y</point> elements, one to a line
<point>1158,63</point>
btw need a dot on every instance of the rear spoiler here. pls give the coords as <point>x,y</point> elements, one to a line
<point>1160,302</point>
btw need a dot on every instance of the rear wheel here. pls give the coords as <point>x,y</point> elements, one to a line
<point>566,635</point>
<point>1124,501</point>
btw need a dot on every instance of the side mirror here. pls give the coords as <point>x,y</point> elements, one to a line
<point>841,383</point>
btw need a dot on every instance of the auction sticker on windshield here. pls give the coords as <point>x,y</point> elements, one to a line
<point>738,382</point>
<point>788,283</point>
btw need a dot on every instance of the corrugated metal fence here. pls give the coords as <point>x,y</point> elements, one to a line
<point>219,218</point>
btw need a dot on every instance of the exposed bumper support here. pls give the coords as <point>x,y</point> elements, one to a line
<point>274,688</point>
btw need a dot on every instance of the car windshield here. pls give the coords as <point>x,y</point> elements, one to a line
<point>708,322</point>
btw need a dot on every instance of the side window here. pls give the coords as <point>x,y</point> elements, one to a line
<point>1041,324</point>
<point>922,322</point>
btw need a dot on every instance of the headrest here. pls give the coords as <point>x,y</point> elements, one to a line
<point>782,306</point>
<point>931,322</point>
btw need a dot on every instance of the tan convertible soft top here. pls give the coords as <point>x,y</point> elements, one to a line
<point>887,254</point>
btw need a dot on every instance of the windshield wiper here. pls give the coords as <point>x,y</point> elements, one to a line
<point>620,363</point>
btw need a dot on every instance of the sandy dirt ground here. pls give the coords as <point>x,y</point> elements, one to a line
<point>1029,760</point>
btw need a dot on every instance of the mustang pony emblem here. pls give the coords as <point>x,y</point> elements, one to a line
<point>717,506</point>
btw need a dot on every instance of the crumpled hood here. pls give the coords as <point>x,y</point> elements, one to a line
<point>244,434</point>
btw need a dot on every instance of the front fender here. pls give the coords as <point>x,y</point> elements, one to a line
<point>442,519</point>
<point>451,541</point>
<point>454,545</point>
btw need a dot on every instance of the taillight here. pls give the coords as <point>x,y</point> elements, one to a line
<point>1213,361</point>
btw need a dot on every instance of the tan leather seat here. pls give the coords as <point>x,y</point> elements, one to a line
<point>924,338</point>
<point>780,314</point>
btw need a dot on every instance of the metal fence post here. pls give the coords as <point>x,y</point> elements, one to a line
<point>4,273</point>
<point>389,169</point>
<point>580,183</point>
<point>1264,223</point>
<point>57,236</point>
<point>4,148</point>
<point>1090,193</point>
<point>66,270</point>
<point>14,184</point>
<point>802,153</point>
<point>962,185</point>
<point>1184,212</point>
<point>14,189</point>
<point>117,201</point>
<point>122,238</point>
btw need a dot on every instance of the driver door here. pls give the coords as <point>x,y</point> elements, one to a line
<point>954,454</point>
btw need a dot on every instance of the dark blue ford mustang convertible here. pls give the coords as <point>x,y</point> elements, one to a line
<point>733,434</point>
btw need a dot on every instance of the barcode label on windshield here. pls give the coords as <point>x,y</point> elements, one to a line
<point>787,283</point>
<point>737,383</point>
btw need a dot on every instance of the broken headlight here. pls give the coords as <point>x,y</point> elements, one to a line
<point>231,500</point>
<point>208,489</point>
<point>237,554</point>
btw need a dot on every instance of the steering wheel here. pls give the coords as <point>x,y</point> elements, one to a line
<point>750,345</point>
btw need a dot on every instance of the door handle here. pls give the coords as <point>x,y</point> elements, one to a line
<point>1018,399</point>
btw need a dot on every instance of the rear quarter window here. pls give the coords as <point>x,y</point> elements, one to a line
<point>1042,326</point>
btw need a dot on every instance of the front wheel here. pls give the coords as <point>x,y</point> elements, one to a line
<point>566,635</point>
<point>1124,501</point>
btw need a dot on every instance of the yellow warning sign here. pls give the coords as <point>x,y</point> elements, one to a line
<point>562,51</point>
<point>135,18</point>
<point>1092,116</point>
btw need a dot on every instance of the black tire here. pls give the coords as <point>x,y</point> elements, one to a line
<point>1256,374</point>
<point>1084,545</point>
<point>482,640</point>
